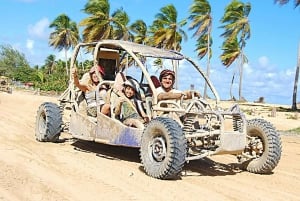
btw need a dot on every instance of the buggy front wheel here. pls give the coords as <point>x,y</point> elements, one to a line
<point>163,148</point>
<point>48,122</point>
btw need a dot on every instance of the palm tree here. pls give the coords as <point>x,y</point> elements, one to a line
<point>166,31</point>
<point>236,25</point>
<point>50,63</point>
<point>202,21</point>
<point>121,28</point>
<point>231,51</point>
<point>64,36</point>
<point>281,2</point>
<point>202,46</point>
<point>294,104</point>
<point>140,32</point>
<point>100,25</point>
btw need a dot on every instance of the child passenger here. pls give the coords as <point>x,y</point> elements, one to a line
<point>130,109</point>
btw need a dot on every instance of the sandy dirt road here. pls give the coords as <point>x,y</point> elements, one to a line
<point>75,170</point>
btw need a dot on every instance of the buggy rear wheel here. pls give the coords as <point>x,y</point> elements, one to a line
<point>264,147</point>
<point>48,122</point>
<point>163,148</point>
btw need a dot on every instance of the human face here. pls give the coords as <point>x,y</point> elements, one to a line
<point>95,78</point>
<point>129,92</point>
<point>167,82</point>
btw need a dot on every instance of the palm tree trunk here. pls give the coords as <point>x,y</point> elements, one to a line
<point>231,85</point>
<point>208,64</point>
<point>294,105</point>
<point>176,64</point>
<point>207,73</point>
<point>241,75</point>
<point>66,57</point>
<point>175,67</point>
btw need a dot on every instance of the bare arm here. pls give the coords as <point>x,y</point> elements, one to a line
<point>81,86</point>
<point>169,96</point>
<point>191,94</point>
<point>177,96</point>
<point>118,105</point>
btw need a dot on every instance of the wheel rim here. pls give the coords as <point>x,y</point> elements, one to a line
<point>42,123</point>
<point>255,147</point>
<point>158,149</point>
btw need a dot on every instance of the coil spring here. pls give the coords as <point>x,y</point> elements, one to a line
<point>237,123</point>
<point>188,125</point>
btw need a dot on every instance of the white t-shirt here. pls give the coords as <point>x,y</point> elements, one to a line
<point>161,90</point>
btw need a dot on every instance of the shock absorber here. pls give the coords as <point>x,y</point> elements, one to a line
<point>237,123</point>
<point>188,125</point>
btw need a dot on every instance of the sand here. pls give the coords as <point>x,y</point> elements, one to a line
<point>76,170</point>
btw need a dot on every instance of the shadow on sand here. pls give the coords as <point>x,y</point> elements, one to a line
<point>201,167</point>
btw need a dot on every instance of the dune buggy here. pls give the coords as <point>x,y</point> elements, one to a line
<point>178,131</point>
<point>5,84</point>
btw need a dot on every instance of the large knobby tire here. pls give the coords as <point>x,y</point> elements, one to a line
<point>48,122</point>
<point>266,147</point>
<point>163,148</point>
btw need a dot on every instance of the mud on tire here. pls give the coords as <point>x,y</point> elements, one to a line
<point>163,148</point>
<point>265,147</point>
<point>48,122</point>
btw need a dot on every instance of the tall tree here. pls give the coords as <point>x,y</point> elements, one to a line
<point>11,60</point>
<point>294,103</point>
<point>237,27</point>
<point>166,30</point>
<point>64,36</point>
<point>101,25</point>
<point>139,30</point>
<point>50,63</point>
<point>201,21</point>
<point>231,52</point>
<point>121,30</point>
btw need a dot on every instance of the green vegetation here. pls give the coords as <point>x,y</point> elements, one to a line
<point>49,77</point>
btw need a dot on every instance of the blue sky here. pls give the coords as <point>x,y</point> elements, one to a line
<point>271,50</point>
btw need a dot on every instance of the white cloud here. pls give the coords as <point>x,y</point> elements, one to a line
<point>263,61</point>
<point>290,72</point>
<point>29,44</point>
<point>39,29</point>
<point>61,55</point>
<point>271,75</point>
<point>247,68</point>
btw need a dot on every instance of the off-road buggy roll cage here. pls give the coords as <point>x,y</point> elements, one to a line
<point>135,51</point>
<point>184,130</point>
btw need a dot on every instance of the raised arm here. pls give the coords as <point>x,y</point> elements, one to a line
<point>77,83</point>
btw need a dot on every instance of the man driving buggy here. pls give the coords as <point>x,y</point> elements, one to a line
<point>166,90</point>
